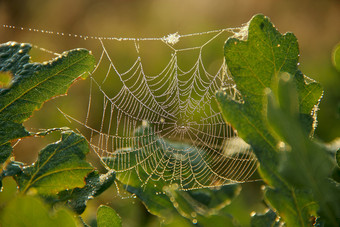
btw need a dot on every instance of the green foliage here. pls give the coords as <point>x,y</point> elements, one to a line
<point>304,156</point>
<point>31,211</point>
<point>32,85</point>
<point>61,172</point>
<point>36,83</point>
<point>59,166</point>
<point>204,206</point>
<point>95,184</point>
<point>276,116</point>
<point>107,217</point>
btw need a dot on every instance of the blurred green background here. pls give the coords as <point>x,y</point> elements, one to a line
<point>315,23</point>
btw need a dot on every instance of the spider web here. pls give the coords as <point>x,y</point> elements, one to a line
<point>166,126</point>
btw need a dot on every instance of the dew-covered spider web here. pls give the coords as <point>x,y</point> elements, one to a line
<point>152,115</point>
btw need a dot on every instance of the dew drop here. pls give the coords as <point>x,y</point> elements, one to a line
<point>193,214</point>
<point>281,145</point>
<point>267,90</point>
<point>194,221</point>
<point>175,186</point>
<point>285,76</point>
<point>145,123</point>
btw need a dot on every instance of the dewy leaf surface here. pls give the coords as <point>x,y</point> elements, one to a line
<point>256,65</point>
<point>60,166</point>
<point>35,83</point>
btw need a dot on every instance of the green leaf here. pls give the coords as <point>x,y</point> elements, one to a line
<point>293,205</point>
<point>215,199</point>
<point>199,205</point>
<point>257,65</point>
<point>269,219</point>
<point>31,211</point>
<point>107,217</point>
<point>204,201</point>
<point>151,195</point>
<point>203,205</point>
<point>95,184</point>
<point>60,166</point>
<point>306,164</point>
<point>309,93</point>
<point>9,131</point>
<point>336,57</point>
<point>35,83</point>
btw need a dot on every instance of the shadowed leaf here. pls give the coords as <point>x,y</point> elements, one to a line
<point>95,184</point>
<point>269,219</point>
<point>35,83</point>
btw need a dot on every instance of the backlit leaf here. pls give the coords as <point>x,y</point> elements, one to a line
<point>35,83</point>
<point>257,65</point>
<point>107,217</point>
<point>60,166</point>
